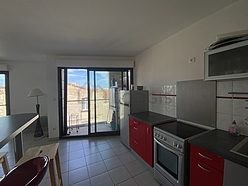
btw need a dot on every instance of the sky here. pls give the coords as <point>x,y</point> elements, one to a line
<point>79,76</point>
<point>2,79</point>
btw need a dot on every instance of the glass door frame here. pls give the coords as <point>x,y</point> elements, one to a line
<point>7,91</point>
<point>62,126</point>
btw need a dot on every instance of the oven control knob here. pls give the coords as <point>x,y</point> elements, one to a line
<point>179,146</point>
<point>164,138</point>
<point>175,144</point>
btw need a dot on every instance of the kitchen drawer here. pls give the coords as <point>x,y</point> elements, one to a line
<point>207,157</point>
<point>137,123</point>
<point>202,174</point>
<point>139,135</point>
<point>138,147</point>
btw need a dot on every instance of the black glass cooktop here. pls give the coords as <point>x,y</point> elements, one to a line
<point>181,129</point>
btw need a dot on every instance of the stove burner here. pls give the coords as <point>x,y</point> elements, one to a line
<point>180,129</point>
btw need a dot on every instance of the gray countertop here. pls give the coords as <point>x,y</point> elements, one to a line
<point>152,118</point>
<point>220,143</point>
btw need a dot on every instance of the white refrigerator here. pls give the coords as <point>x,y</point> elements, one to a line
<point>131,101</point>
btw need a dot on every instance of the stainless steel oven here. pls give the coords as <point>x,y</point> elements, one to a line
<point>170,167</point>
<point>171,152</point>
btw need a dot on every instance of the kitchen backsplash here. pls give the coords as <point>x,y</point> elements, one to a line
<point>164,100</point>
<point>232,106</point>
<point>229,106</point>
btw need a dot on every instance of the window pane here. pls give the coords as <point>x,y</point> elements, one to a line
<point>3,105</point>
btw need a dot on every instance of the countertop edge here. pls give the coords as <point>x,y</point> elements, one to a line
<point>163,118</point>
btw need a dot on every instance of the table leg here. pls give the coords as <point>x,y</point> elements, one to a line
<point>52,174</point>
<point>58,167</point>
<point>18,147</point>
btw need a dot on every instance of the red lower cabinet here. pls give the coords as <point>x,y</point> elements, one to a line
<point>141,139</point>
<point>206,169</point>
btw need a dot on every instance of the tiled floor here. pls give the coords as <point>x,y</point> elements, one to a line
<point>93,162</point>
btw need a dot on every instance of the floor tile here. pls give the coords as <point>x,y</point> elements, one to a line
<point>63,157</point>
<point>65,178</point>
<point>120,149</point>
<point>76,154</point>
<point>77,163</point>
<point>93,161</point>
<point>130,182</point>
<point>93,158</point>
<point>82,183</point>
<point>76,147</point>
<point>115,143</point>
<point>64,167</point>
<point>119,175</point>
<point>113,163</point>
<point>126,157</point>
<point>107,154</point>
<point>103,147</point>
<point>146,179</point>
<point>88,144</point>
<point>135,167</point>
<point>78,175</point>
<point>90,150</point>
<point>102,180</point>
<point>96,168</point>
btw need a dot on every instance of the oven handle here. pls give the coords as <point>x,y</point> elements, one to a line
<point>168,148</point>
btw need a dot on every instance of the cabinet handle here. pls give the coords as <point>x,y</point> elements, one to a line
<point>147,130</point>
<point>135,128</point>
<point>204,156</point>
<point>204,168</point>
<point>135,142</point>
<point>135,122</point>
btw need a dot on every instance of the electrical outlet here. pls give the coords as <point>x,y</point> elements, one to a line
<point>192,60</point>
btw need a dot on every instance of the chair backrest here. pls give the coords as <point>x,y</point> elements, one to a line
<point>29,173</point>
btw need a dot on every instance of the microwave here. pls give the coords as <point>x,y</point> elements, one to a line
<point>227,62</point>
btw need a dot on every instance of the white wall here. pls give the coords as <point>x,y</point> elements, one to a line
<point>22,78</point>
<point>167,62</point>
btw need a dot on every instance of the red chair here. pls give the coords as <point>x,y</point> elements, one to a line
<point>29,173</point>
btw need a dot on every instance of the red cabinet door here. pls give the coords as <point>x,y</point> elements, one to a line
<point>141,139</point>
<point>137,137</point>
<point>202,174</point>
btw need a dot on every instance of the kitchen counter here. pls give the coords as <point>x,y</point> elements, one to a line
<point>220,143</point>
<point>152,118</point>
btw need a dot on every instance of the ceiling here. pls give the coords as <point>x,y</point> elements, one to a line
<point>32,29</point>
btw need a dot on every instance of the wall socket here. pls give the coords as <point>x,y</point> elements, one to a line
<point>192,60</point>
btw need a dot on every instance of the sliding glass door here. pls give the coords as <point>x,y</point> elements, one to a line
<point>84,100</point>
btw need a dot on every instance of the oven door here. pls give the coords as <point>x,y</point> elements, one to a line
<point>168,164</point>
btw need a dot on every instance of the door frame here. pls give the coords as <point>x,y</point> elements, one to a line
<point>62,126</point>
<point>7,91</point>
